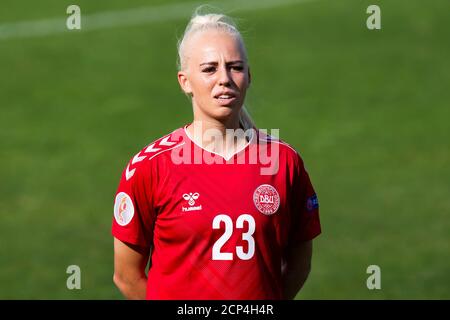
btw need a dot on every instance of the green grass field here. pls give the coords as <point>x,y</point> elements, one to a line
<point>368,110</point>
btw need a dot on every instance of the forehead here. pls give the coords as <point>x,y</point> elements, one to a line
<point>214,45</point>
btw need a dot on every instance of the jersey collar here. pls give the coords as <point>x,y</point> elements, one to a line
<point>251,140</point>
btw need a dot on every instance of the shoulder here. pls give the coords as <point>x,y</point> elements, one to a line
<point>285,150</point>
<point>152,152</point>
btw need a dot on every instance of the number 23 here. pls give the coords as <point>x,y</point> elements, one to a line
<point>247,236</point>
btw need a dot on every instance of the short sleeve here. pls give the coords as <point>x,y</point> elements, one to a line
<point>133,211</point>
<point>305,222</point>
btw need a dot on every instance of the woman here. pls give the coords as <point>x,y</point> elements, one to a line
<point>198,204</point>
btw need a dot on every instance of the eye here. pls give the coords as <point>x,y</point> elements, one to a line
<point>237,68</point>
<point>209,69</point>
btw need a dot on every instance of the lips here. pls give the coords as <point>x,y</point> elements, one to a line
<point>225,98</point>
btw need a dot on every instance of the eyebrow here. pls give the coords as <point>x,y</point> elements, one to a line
<point>214,63</point>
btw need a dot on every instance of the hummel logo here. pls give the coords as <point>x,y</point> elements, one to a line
<point>191,197</point>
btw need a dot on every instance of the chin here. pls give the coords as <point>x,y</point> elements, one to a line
<point>221,112</point>
<point>222,115</point>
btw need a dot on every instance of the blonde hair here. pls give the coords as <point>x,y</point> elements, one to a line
<point>211,21</point>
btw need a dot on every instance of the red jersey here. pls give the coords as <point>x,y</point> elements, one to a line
<point>218,228</point>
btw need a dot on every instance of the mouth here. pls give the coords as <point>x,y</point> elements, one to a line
<point>225,98</point>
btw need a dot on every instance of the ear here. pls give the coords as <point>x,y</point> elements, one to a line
<point>249,77</point>
<point>184,82</point>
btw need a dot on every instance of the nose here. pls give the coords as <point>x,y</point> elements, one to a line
<point>224,77</point>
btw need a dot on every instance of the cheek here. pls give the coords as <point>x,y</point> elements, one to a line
<point>202,85</point>
<point>241,81</point>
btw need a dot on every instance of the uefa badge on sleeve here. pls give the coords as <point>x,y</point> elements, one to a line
<point>312,203</point>
<point>266,199</point>
<point>123,209</point>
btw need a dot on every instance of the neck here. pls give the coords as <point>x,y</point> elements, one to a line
<point>218,136</point>
<point>218,125</point>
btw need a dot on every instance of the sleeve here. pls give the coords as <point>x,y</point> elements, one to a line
<point>133,211</point>
<point>305,222</point>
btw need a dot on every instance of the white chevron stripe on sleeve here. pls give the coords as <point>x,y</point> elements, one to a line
<point>166,142</point>
<point>128,173</point>
<point>151,148</point>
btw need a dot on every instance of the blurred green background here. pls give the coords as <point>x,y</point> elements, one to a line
<point>368,111</point>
